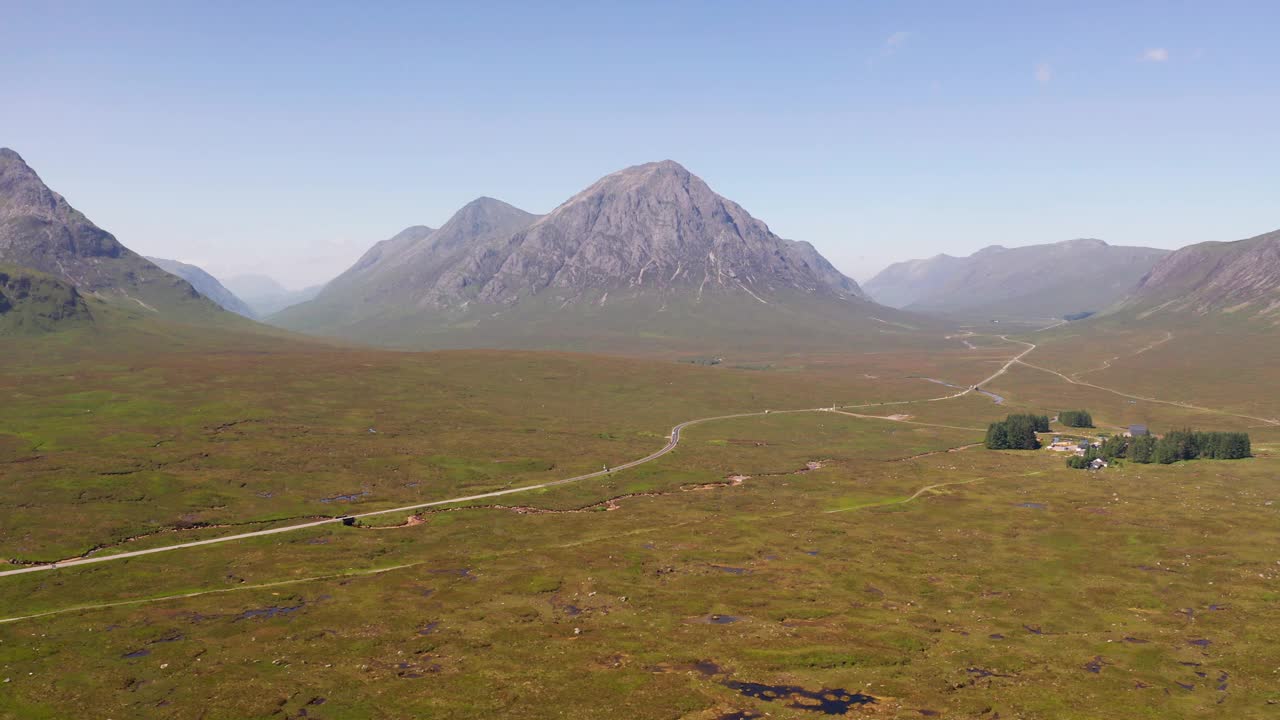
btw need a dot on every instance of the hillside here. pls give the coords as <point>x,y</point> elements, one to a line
<point>265,296</point>
<point>646,254</point>
<point>32,303</point>
<point>41,231</point>
<point>206,284</point>
<point>1240,278</point>
<point>1036,281</point>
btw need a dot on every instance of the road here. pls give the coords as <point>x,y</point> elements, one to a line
<point>672,441</point>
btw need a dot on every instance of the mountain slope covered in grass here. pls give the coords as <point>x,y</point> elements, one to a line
<point>32,302</point>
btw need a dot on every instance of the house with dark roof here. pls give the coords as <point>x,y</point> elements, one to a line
<point>1138,431</point>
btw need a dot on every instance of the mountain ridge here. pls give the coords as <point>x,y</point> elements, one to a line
<point>651,240</point>
<point>41,231</point>
<point>205,284</point>
<point>1240,278</point>
<point>1041,281</point>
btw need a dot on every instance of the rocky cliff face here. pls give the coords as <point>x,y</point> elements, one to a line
<point>1241,277</point>
<point>41,231</point>
<point>650,228</point>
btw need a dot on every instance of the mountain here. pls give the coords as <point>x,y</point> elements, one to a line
<point>39,230</point>
<point>1240,278</point>
<point>1036,281</point>
<point>647,252</point>
<point>416,268</point>
<point>206,284</point>
<point>265,296</point>
<point>32,303</point>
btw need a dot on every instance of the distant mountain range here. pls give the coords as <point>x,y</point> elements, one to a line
<point>40,231</point>
<point>647,252</point>
<point>265,296</point>
<point>1238,279</point>
<point>205,284</point>
<point>1036,281</point>
<point>646,255</point>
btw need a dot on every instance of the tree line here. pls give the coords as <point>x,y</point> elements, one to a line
<point>1174,447</point>
<point>1076,418</point>
<point>1017,432</point>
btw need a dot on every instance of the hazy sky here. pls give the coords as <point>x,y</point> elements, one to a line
<point>286,138</point>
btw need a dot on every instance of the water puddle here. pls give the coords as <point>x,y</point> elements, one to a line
<point>429,628</point>
<point>345,498</point>
<point>1033,505</point>
<point>994,397</point>
<point>834,701</point>
<point>1200,643</point>
<point>705,668</point>
<point>731,570</point>
<point>137,654</point>
<point>268,612</point>
<point>713,620</point>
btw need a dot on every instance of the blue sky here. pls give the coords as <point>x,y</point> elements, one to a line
<point>288,137</point>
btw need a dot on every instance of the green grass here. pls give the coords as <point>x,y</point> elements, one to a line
<point>998,595</point>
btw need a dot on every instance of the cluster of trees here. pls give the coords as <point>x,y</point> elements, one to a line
<point>1017,432</point>
<point>1191,445</point>
<point>1082,462</point>
<point>1173,447</point>
<point>1076,418</point>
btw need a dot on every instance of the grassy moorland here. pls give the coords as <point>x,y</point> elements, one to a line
<point>125,442</point>
<point>1218,362</point>
<point>880,559</point>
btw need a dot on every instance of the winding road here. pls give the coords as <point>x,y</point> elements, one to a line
<point>673,440</point>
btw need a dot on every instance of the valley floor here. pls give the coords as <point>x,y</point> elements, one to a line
<point>870,561</point>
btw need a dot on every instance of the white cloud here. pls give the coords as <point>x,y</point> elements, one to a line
<point>1044,73</point>
<point>891,45</point>
<point>1155,55</point>
<point>896,40</point>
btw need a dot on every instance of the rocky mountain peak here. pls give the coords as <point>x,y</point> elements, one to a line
<point>39,230</point>
<point>652,235</point>
<point>656,227</point>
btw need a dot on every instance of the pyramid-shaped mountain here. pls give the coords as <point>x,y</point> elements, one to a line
<point>649,251</point>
